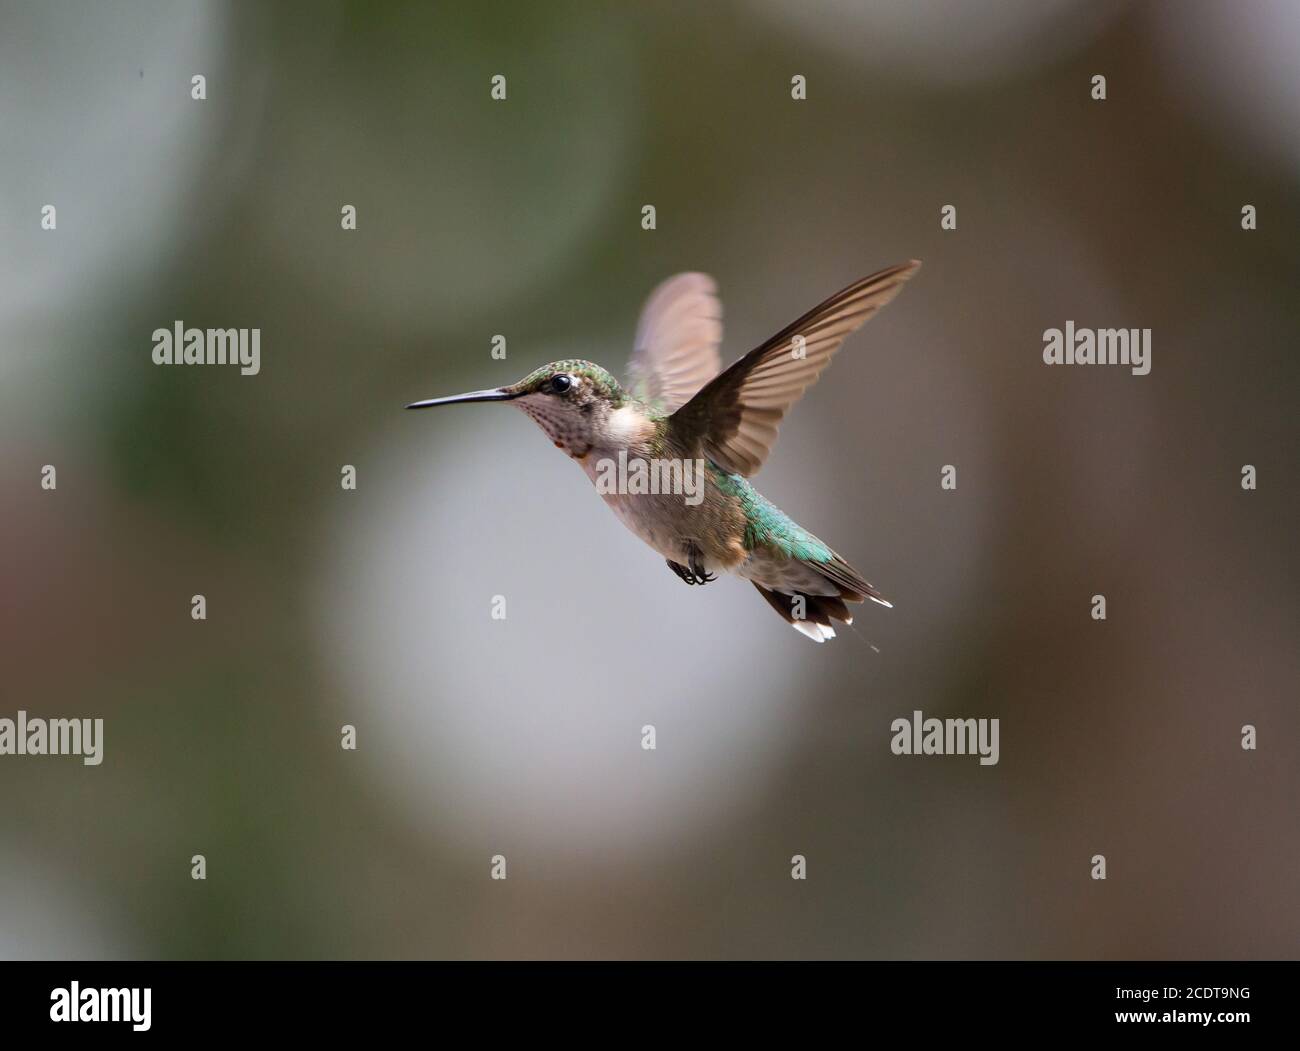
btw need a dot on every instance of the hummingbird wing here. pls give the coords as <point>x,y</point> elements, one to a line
<point>734,418</point>
<point>676,349</point>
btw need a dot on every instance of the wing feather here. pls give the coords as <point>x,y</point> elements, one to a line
<point>735,416</point>
<point>677,338</point>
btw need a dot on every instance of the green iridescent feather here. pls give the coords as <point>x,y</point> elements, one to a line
<point>768,525</point>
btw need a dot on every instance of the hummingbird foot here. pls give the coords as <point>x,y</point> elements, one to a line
<point>694,572</point>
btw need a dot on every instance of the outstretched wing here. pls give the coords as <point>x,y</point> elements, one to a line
<point>734,418</point>
<point>676,349</point>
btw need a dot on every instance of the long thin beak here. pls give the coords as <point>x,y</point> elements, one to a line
<point>457,399</point>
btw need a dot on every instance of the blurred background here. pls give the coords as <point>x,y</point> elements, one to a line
<point>522,737</point>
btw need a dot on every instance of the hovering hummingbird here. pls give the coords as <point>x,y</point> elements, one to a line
<point>677,406</point>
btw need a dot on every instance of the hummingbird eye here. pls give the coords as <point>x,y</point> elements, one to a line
<point>561,383</point>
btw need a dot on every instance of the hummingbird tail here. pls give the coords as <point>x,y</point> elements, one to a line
<point>796,596</point>
<point>810,614</point>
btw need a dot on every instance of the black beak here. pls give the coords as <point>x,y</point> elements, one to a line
<point>456,399</point>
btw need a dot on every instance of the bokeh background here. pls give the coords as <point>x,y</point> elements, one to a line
<point>522,737</point>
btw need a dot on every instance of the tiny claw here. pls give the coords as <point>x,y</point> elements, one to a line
<point>698,573</point>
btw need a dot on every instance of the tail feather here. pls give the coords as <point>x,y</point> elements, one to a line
<point>813,615</point>
<point>810,614</point>
<point>853,587</point>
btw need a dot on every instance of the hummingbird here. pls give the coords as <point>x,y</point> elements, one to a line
<point>679,406</point>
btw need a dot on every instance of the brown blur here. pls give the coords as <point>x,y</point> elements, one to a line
<point>522,737</point>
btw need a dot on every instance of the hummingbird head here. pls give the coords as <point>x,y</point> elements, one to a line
<point>571,401</point>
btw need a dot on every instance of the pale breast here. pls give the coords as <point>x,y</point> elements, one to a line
<point>671,525</point>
